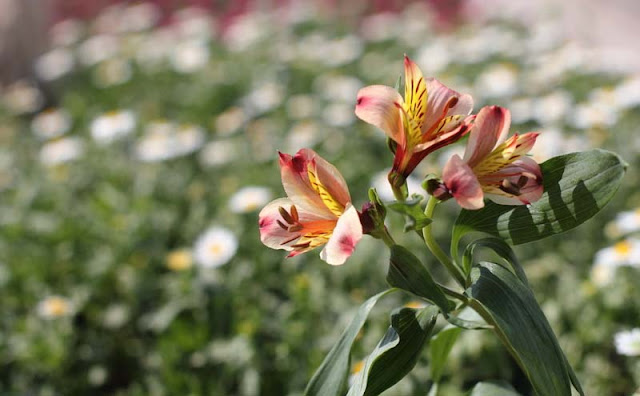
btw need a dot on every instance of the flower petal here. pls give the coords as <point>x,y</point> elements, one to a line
<point>462,183</point>
<point>415,92</point>
<point>527,193</point>
<point>330,185</point>
<point>271,234</point>
<point>296,183</point>
<point>346,235</point>
<point>489,130</point>
<point>439,97</point>
<point>380,105</point>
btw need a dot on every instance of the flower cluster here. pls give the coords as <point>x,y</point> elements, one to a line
<point>430,116</point>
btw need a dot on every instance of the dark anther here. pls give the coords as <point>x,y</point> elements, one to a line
<point>510,188</point>
<point>286,216</point>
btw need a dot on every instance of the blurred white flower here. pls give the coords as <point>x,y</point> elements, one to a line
<point>249,199</point>
<point>356,370</point>
<point>589,115</point>
<point>627,93</point>
<point>66,32</point>
<point>139,17</point>
<point>215,247</point>
<point>338,88</point>
<point>193,23</point>
<point>51,123</point>
<point>342,51</point>
<point>54,64</point>
<point>236,351</point>
<point>112,126</point>
<point>189,57</point>
<point>303,134</point>
<point>230,121</point>
<point>553,107</point>
<point>114,71</point>
<point>97,49</point>
<point>628,342</point>
<point>380,27</point>
<point>97,375</point>
<point>627,222</point>
<point>338,115</point>
<point>522,110</point>
<point>115,316</point>
<point>264,98</point>
<point>54,307</point>
<point>434,56</point>
<point>246,31</point>
<point>218,152</point>
<point>607,260</point>
<point>498,81</point>
<point>22,97</point>
<point>300,106</point>
<point>60,151</point>
<point>155,48</point>
<point>381,184</point>
<point>163,140</point>
<point>553,142</point>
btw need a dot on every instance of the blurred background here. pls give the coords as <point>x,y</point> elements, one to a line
<point>138,143</point>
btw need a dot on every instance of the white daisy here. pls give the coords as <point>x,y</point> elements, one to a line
<point>609,259</point>
<point>155,48</point>
<point>193,23</point>
<point>112,126</point>
<point>628,342</point>
<point>51,123</point>
<point>265,97</point>
<point>54,64</point>
<point>139,17</point>
<point>553,107</point>
<point>22,97</point>
<point>97,49</point>
<point>215,247</point>
<point>338,114</point>
<point>628,221</point>
<point>218,152</point>
<point>300,107</point>
<point>60,151</point>
<point>522,110</point>
<point>230,121</point>
<point>497,82</point>
<point>115,316</point>
<point>114,71</point>
<point>66,33</point>
<point>54,307</point>
<point>249,198</point>
<point>189,57</point>
<point>162,141</point>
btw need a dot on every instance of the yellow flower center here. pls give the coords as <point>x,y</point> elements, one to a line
<point>215,249</point>
<point>622,248</point>
<point>357,367</point>
<point>57,306</point>
<point>330,202</point>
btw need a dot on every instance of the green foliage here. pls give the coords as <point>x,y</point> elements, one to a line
<point>576,187</point>
<point>506,302</point>
<point>397,352</point>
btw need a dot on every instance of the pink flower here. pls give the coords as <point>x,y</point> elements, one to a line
<point>493,166</point>
<point>318,210</point>
<point>429,117</point>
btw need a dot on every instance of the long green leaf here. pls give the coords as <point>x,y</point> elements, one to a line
<point>506,302</point>
<point>331,377</point>
<point>493,389</point>
<point>439,348</point>
<point>576,187</point>
<point>408,273</point>
<point>397,353</point>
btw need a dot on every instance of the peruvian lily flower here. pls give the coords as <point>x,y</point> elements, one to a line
<point>429,117</point>
<point>318,210</point>
<point>493,166</point>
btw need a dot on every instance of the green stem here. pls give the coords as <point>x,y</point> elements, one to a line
<point>387,238</point>
<point>454,294</point>
<point>435,248</point>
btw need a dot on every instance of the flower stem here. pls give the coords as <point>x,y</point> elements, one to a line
<point>387,238</point>
<point>435,249</point>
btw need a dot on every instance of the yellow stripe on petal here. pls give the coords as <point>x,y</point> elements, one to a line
<point>415,92</point>
<point>329,201</point>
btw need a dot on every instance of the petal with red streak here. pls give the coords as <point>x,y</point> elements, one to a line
<point>295,180</point>
<point>439,96</point>
<point>489,130</point>
<point>271,234</point>
<point>346,235</point>
<point>380,105</point>
<point>462,183</point>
